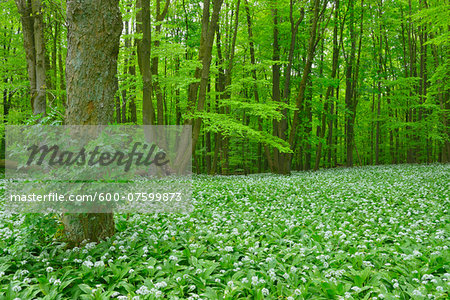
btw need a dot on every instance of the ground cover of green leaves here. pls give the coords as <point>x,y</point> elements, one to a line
<point>362,233</point>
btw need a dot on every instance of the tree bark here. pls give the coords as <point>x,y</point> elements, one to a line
<point>91,66</point>
<point>301,93</point>
<point>276,95</point>
<point>197,90</point>
<point>255,89</point>
<point>143,52</point>
<point>34,44</point>
<point>329,92</point>
<point>155,62</point>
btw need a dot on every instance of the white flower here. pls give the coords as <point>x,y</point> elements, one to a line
<point>427,277</point>
<point>244,280</point>
<point>131,271</point>
<point>439,289</point>
<point>88,264</point>
<point>356,289</point>
<point>417,293</point>
<point>16,288</point>
<point>49,269</point>
<point>286,276</point>
<point>99,264</point>
<point>228,248</point>
<point>367,264</point>
<point>90,245</point>
<point>265,292</point>
<point>297,292</point>
<point>217,280</point>
<point>115,294</point>
<point>143,290</point>
<point>161,285</point>
<point>157,293</point>
<point>57,282</point>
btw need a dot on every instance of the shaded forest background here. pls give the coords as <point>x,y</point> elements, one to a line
<point>266,85</point>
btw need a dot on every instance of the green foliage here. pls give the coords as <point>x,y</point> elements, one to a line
<point>403,68</point>
<point>352,233</point>
<point>230,127</point>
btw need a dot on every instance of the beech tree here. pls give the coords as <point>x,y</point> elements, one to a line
<point>94,30</point>
<point>31,16</point>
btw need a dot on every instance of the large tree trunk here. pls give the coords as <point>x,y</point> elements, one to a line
<point>94,29</point>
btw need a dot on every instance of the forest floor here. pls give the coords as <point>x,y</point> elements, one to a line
<point>360,233</point>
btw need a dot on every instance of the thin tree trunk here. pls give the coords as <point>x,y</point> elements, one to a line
<point>276,95</point>
<point>301,93</point>
<point>197,90</point>
<point>160,16</point>
<point>255,89</point>
<point>282,124</point>
<point>329,90</point>
<point>143,52</point>
<point>34,44</point>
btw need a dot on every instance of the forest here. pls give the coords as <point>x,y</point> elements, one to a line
<point>302,149</point>
<point>267,85</point>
